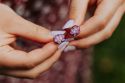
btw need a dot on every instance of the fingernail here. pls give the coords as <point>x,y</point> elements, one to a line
<point>54,33</point>
<point>68,24</point>
<point>63,45</point>
<point>69,48</point>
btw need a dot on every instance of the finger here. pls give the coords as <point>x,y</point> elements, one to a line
<point>27,29</point>
<point>6,38</point>
<point>54,33</point>
<point>11,58</point>
<point>34,72</point>
<point>104,34</point>
<point>69,24</point>
<point>102,16</point>
<point>78,10</point>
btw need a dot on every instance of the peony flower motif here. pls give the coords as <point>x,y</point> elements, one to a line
<point>59,38</point>
<point>69,35</point>
<point>75,30</point>
<point>70,31</point>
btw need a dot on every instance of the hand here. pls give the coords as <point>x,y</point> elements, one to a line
<point>19,63</point>
<point>101,25</point>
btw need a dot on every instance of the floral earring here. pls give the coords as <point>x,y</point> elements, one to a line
<point>69,33</point>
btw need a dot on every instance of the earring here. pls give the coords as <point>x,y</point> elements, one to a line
<point>69,35</point>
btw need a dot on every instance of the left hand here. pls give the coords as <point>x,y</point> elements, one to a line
<point>101,25</point>
<point>19,63</point>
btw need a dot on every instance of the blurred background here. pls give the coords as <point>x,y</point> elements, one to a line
<point>108,59</point>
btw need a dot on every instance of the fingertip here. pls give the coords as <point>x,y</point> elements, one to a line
<point>48,38</point>
<point>69,23</point>
<point>52,46</point>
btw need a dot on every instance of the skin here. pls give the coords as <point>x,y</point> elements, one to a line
<point>101,25</point>
<point>97,28</point>
<point>19,63</point>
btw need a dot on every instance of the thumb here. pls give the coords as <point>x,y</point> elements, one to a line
<point>27,29</point>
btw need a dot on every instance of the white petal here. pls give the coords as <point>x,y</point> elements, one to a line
<point>68,24</point>
<point>63,44</point>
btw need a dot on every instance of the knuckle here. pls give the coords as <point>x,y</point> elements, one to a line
<point>29,65</point>
<point>108,34</point>
<point>101,21</point>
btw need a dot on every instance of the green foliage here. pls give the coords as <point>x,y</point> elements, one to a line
<point>109,58</point>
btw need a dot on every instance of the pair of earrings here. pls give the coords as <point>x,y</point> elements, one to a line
<point>69,33</point>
